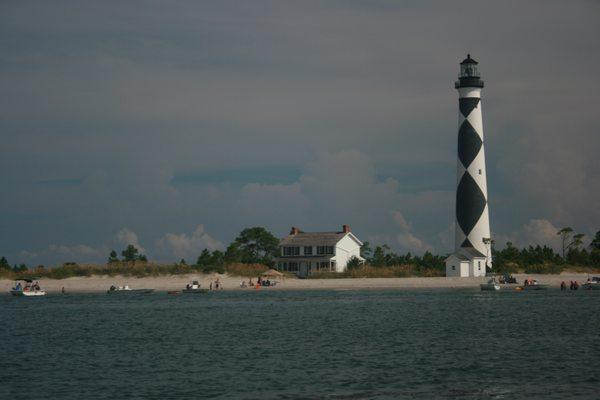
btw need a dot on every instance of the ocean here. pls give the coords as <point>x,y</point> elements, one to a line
<point>393,344</point>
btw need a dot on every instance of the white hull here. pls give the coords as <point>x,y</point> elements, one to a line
<point>28,293</point>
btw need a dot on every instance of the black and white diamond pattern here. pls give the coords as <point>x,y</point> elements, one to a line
<point>470,200</point>
<point>467,104</point>
<point>469,143</point>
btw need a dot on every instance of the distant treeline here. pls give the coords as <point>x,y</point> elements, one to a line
<point>254,250</point>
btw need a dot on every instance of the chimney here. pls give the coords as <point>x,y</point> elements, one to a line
<point>294,231</point>
<point>346,228</point>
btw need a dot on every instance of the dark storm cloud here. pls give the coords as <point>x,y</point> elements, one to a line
<point>181,123</point>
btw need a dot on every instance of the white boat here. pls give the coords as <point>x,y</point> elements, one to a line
<point>194,287</point>
<point>592,284</point>
<point>492,284</point>
<point>29,289</point>
<point>127,290</point>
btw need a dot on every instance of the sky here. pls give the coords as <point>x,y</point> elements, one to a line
<point>174,125</point>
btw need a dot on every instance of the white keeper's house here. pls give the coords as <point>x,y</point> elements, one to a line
<point>307,252</point>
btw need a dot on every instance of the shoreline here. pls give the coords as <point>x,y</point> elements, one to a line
<point>100,284</point>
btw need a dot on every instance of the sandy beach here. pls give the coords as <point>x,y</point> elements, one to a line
<point>99,284</point>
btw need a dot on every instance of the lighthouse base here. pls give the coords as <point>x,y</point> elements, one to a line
<point>465,265</point>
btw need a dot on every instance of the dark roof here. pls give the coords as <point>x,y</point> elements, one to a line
<point>459,256</point>
<point>471,252</point>
<point>469,60</point>
<point>313,238</point>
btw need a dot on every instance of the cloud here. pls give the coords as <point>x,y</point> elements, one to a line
<point>181,245</point>
<point>340,93</point>
<point>534,232</point>
<point>125,237</point>
<point>57,254</point>
<point>407,241</point>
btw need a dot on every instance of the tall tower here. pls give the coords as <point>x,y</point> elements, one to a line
<point>472,236</point>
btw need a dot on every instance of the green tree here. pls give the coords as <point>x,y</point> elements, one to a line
<point>380,258</point>
<point>182,262</point>
<point>233,254</point>
<point>365,250</point>
<point>594,245</point>
<point>257,245</point>
<point>217,258</point>
<point>569,240</point>
<point>20,268</point>
<point>130,254</point>
<point>595,250</point>
<point>565,236</point>
<point>142,258</point>
<point>204,258</point>
<point>353,263</point>
<point>112,257</point>
<point>4,264</point>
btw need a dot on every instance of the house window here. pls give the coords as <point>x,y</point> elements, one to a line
<point>324,250</point>
<point>291,251</point>
<point>453,268</point>
<point>479,265</point>
<point>293,267</point>
<point>479,172</point>
<point>308,250</point>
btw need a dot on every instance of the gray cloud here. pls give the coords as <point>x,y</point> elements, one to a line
<point>344,111</point>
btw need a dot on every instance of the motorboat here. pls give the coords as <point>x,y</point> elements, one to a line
<point>28,289</point>
<point>532,284</point>
<point>127,290</point>
<point>592,284</point>
<point>194,287</point>
<point>492,284</point>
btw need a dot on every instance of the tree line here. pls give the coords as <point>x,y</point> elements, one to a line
<point>541,259</point>
<point>257,245</point>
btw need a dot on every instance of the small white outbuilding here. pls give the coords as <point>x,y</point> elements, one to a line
<point>467,262</point>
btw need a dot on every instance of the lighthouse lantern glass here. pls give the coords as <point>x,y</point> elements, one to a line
<point>469,71</point>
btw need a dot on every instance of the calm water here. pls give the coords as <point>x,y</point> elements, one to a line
<point>303,345</point>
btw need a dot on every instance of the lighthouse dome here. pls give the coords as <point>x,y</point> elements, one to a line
<point>469,60</point>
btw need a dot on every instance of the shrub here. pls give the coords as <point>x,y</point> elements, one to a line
<point>247,270</point>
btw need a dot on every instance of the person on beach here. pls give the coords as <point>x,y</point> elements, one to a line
<point>563,286</point>
<point>571,285</point>
<point>575,285</point>
<point>210,286</point>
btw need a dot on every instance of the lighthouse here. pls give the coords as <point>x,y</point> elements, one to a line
<point>472,252</point>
